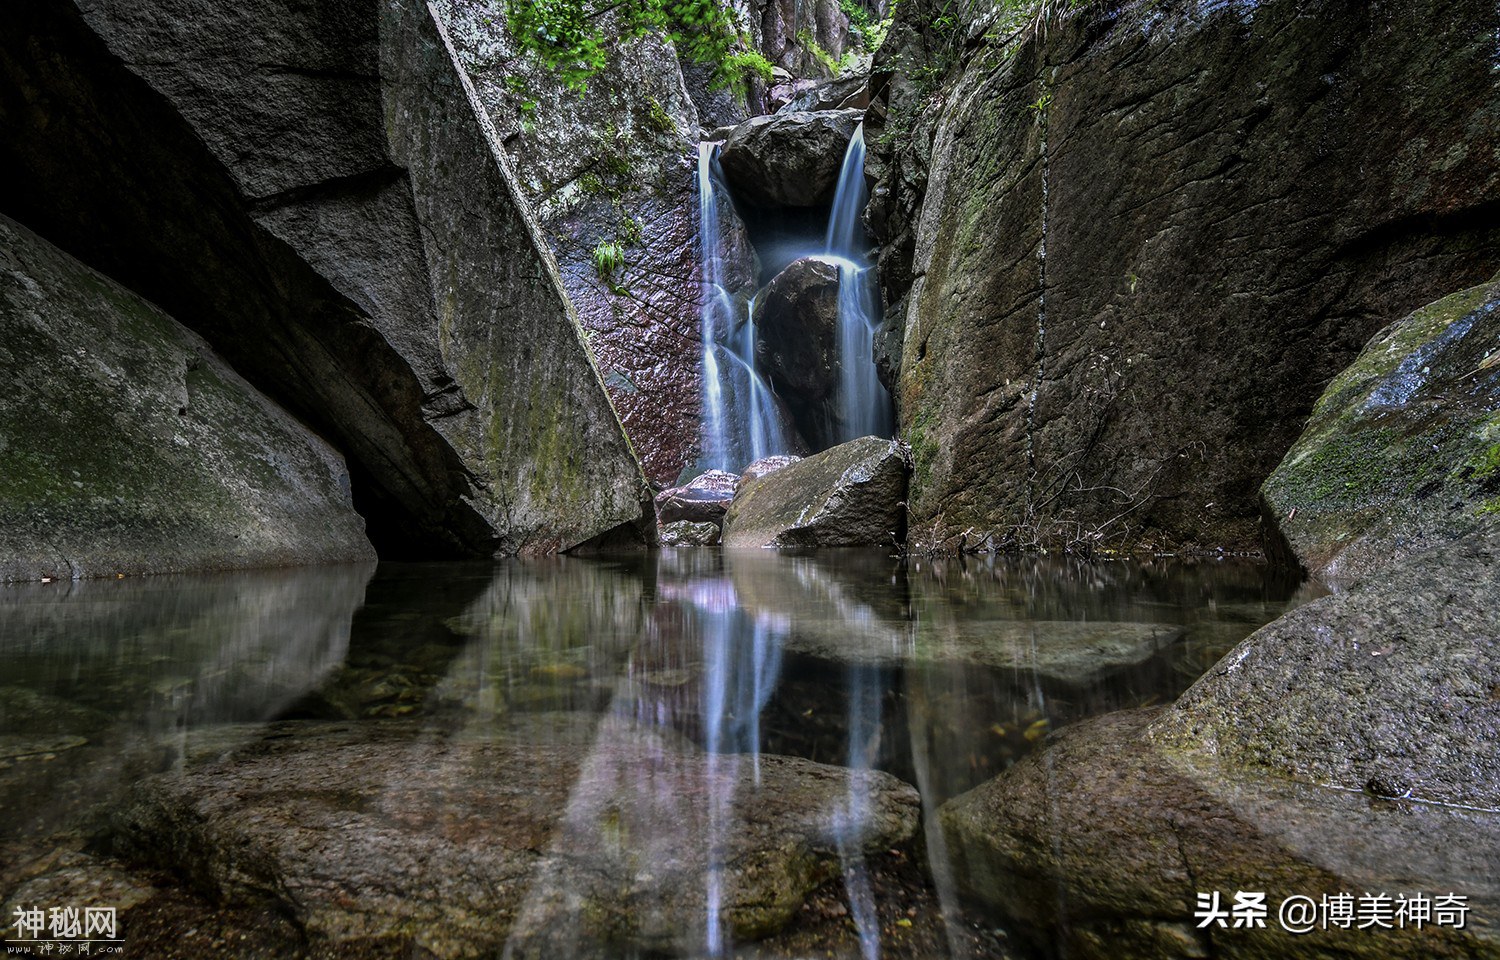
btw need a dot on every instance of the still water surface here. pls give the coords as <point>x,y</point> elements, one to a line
<point>612,729</point>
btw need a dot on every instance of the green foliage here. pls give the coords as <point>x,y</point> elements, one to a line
<point>609,259</point>
<point>572,38</point>
<point>810,44</point>
<point>740,66</point>
<point>630,231</point>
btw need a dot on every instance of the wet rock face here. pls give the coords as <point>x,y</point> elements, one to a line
<point>852,495</point>
<point>325,207</point>
<point>610,168</point>
<point>1233,201</point>
<point>1403,449</point>
<point>701,500</point>
<point>797,328</point>
<point>130,447</point>
<point>789,159</point>
<point>544,847</point>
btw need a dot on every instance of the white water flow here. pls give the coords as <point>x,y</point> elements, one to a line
<point>740,422</point>
<point>864,405</point>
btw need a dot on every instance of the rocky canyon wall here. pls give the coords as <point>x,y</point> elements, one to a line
<point>1124,253</point>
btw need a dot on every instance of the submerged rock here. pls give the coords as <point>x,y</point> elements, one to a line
<point>687,533</point>
<point>851,495</point>
<point>1075,653</point>
<point>1232,199</point>
<point>704,499</point>
<point>594,839</point>
<point>1101,844</point>
<point>1403,449</point>
<point>130,447</point>
<point>1265,776</point>
<point>797,329</point>
<point>789,159</point>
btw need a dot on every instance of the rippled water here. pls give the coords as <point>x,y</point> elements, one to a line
<point>650,701</point>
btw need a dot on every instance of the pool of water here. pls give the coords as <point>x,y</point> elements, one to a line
<point>565,756</point>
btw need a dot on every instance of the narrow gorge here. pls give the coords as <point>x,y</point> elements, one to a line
<point>1010,479</point>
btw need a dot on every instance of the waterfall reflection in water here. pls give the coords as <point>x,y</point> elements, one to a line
<point>658,695</point>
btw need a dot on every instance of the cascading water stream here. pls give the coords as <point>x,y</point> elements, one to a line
<point>740,423</point>
<point>864,406</point>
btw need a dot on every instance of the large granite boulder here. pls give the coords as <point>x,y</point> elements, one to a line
<point>1393,682</point>
<point>1347,748</point>
<point>797,345</point>
<point>130,447</point>
<point>1403,449</point>
<point>789,159</point>
<point>311,189</point>
<point>852,495</point>
<point>568,839</point>
<point>1133,247</point>
<point>611,166</point>
<point>842,93</point>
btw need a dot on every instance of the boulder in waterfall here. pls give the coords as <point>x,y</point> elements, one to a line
<point>702,499</point>
<point>581,842</point>
<point>1349,747</point>
<point>325,207</point>
<point>842,93</point>
<point>130,447</point>
<point>784,93</point>
<point>797,346</point>
<point>690,533</point>
<point>850,496</point>
<point>765,466</point>
<point>1403,449</point>
<point>789,159</point>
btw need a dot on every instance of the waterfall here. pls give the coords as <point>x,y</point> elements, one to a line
<point>740,421</point>
<point>864,405</point>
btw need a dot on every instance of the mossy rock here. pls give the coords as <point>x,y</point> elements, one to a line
<point>130,447</point>
<point>1403,449</point>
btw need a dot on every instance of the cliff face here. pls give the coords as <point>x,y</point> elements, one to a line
<point>312,188</point>
<point>610,169</point>
<point>1125,254</point>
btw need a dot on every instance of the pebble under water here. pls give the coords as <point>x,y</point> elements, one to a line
<point>694,752</point>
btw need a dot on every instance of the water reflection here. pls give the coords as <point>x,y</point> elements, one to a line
<point>102,680</point>
<point>660,695</point>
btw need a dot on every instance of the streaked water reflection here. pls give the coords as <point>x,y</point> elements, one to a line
<point>670,679</point>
